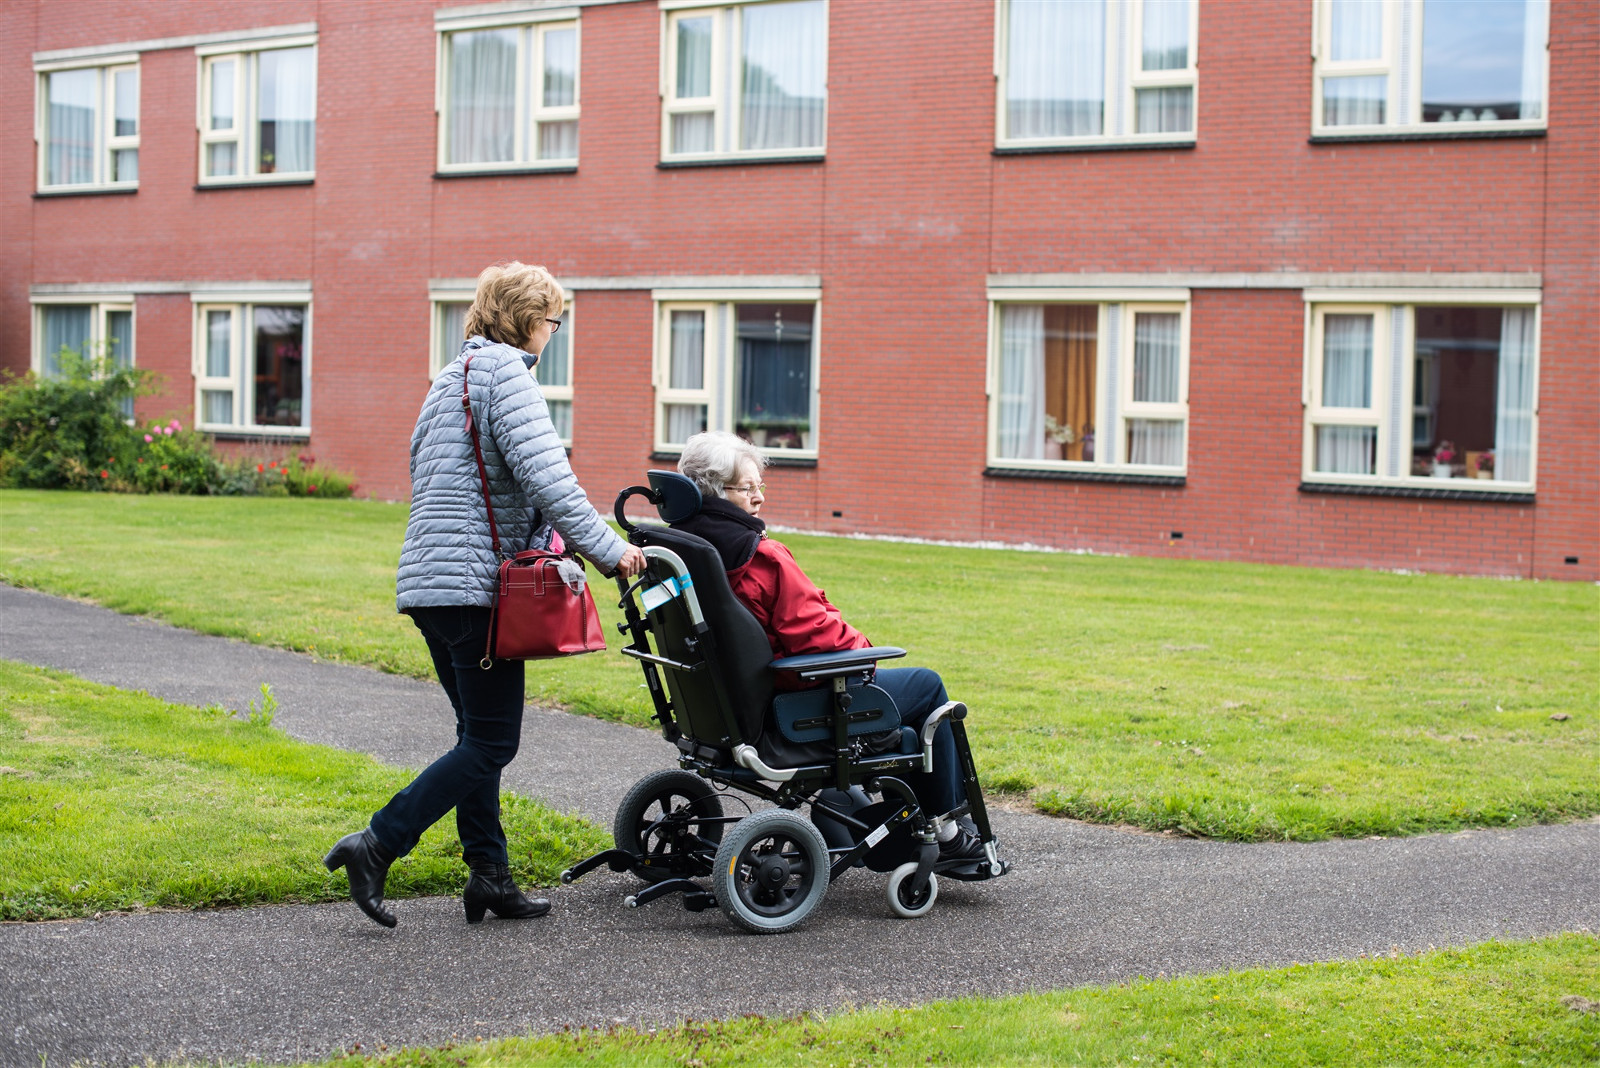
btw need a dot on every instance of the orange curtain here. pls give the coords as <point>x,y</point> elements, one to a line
<point>1069,357</point>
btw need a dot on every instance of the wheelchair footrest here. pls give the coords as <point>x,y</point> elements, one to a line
<point>662,889</point>
<point>617,859</point>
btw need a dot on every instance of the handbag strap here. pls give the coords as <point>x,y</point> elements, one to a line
<point>477,452</point>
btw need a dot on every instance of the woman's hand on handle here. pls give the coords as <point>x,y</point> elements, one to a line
<point>632,562</point>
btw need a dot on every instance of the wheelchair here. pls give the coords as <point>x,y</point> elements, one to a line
<point>835,748</point>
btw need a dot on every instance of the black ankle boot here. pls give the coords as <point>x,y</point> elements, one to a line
<point>491,887</point>
<point>366,862</point>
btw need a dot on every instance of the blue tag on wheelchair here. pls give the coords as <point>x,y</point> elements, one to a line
<point>653,597</point>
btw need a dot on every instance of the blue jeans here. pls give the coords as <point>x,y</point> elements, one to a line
<point>917,692</point>
<point>488,708</point>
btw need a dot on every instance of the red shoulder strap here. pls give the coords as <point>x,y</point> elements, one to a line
<point>477,451</point>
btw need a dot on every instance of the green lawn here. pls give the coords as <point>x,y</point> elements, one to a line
<point>117,800</point>
<point>1234,700</point>
<point>1492,1004</point>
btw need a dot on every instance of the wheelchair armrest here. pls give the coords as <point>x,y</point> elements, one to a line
<point>842,662</point>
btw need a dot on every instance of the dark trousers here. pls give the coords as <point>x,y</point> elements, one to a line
<point>488,708</point>
<point>917,692</point>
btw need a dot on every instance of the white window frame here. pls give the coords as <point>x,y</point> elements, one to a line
<point>247,106</point>
<point>717,390</point>
<point>1394,322</point>
<point>533,27</point>
<point>727,22</point>
<point>1401,65</point>
<point>107,143</point>
<point>241,377</point>
<point>99,328</point>
<point>1109,449</point>
<point>1124,77</point>
<point>438,298</point>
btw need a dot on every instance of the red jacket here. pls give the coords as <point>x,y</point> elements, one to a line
<point>795,614</point>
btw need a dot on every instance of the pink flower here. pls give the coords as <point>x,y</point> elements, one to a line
<point>175,425</point>
<point>148,438</point>
<point>167,430</point>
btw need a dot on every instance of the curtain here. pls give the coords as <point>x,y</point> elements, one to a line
<point>1069,358</point>
<point>119,346</point>
<point>1513,419</point>
<point>69,155</point>
<point>554,369</point>
<point>784,85</point>
<point>65,326</point>
<point>1354,101</point>
<point>1357,29</point>
<point>1156,344</point>
<point>1535,32</point>
<point>1167,110</point>
<point>559,140</point>
<point>219,328</point>
<point>288,141</point>
<point>452,332</point>
<point>1021,417</point>
<point>1347,361</point>
<point>688,356</point>
<point>684,421</point>
<point>482,105</point>
<point>1346,450</point>
<point>1155,441</point>
<point>1166,35</point>
<point>1055,68</point>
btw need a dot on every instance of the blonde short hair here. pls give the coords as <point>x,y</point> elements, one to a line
<point>712,458</point>
<point>512,298</point>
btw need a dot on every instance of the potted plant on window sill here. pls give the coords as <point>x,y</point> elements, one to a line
<point>1057,437</point>
<point>1443,459</point>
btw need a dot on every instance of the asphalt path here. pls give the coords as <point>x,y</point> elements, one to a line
<point>1083,904</point>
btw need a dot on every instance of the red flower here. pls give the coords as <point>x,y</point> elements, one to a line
<point>311,489</point>
<point>261,467</point>
<point>104,474</point>
<point>163,467</point>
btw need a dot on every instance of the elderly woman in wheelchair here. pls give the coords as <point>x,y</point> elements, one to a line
<point>766,691</point>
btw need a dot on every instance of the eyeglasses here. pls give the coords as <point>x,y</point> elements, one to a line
<point>555,324</point>
<point>759,487</point>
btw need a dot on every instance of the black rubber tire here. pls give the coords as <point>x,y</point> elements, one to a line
<point>682,851</point>
<point>905,904</point>
<point>771,871</point>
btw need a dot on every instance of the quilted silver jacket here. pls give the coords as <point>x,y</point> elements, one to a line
<point>447,557</point>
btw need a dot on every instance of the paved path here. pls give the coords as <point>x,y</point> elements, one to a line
<point>1085,904</point>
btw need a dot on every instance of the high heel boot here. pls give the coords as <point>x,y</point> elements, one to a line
<point>491,887</point>
<point>365,860</point>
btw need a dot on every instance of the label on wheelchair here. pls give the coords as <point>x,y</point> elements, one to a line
<point>653,597</point>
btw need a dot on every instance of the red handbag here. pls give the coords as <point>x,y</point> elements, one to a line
<point>536,614</point>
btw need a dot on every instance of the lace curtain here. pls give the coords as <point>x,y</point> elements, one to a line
<point>784,89</point>
<point>1346,383</point>
<point>65,326</point>
<point>288,141</point>
<point>483,86</point>
<point>69,155</point>
<point>1055,69</point>
<point>686,371</point>
<point>1020,431</point>
<point>1513,423</point>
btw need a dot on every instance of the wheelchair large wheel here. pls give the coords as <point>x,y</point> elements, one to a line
<point>771,871</point>
<point>670,820</point>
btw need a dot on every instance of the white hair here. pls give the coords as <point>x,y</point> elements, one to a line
<point>712,459</point>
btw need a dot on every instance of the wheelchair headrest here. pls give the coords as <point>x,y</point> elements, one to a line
<point>679,497</point>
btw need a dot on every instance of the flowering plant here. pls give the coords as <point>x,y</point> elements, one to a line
<point>1445,453</point>
<point>1060,433</point>
<point>1486,461</point>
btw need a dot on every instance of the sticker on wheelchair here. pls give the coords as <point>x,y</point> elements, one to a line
<point>653,597</point>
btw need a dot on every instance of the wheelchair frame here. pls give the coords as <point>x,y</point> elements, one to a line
<point>752,883</point>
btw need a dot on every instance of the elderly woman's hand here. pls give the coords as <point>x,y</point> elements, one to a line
<point>632,561</point>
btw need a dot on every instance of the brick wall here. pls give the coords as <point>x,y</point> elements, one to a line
<point>903,222</point>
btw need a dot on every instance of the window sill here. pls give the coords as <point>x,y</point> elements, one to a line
<point>738,161</point>
<point>772,461</point>
<point>1166,145</point>
<point>264,183</point>
<point>1413,133</point>
<point>98,191</point>
<point>1419,492</point>
<point>257,433</point>
<point>1078,475</point>
<point>565,167</point>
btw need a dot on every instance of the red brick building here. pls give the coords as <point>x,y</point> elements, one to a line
<point>1308,282</point>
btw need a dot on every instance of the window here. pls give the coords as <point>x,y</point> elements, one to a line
<point>94,331</point>
<point>1420,392</point>
<point>745,81</point>
<point>258,113</point>
<point>509,97</point>
<point>88,128</point>
<point>1096,71</point>
<point>749,366</point>
<point>1440,65</point>
<point>553,372</point>
<point>1084,384</point>
<point>253,367</point>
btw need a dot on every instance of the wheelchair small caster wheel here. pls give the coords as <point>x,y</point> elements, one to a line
<point>907,905</point>
<point>566,877</point>
<point>630,902</point>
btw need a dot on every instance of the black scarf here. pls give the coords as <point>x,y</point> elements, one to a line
<point>734,532</point>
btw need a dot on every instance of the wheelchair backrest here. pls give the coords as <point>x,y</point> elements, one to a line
<point>742,649</point>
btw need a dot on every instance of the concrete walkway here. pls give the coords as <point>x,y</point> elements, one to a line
<point>1084,904</point>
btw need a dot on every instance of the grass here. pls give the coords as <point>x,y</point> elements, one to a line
<point>115,800</point>
<point>1499,1003</point>
<point>1231,700</point>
